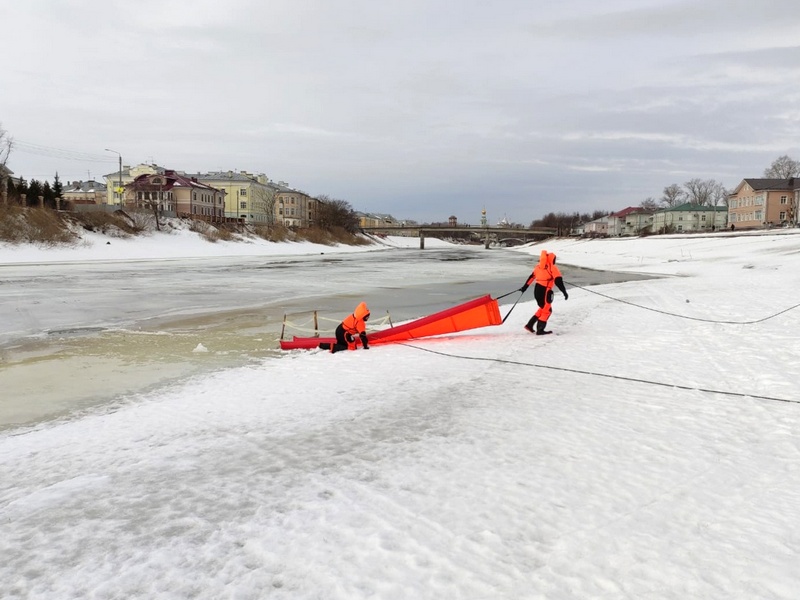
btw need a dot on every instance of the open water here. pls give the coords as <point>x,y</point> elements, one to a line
<point>75,335</point>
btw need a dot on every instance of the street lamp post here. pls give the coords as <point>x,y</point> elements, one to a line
<point>119,189</point>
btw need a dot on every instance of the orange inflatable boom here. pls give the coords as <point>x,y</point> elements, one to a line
<point>481,312</point>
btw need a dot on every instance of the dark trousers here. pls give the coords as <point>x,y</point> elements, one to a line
<point>544,299</point>
<point>343,340</point>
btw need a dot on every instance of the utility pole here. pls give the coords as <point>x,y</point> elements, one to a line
<point>119,189</point>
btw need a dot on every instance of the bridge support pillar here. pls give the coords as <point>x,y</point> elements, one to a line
<point>486,241</point>
<point>421,242</point>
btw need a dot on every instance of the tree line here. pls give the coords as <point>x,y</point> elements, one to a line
<point>31,191</point>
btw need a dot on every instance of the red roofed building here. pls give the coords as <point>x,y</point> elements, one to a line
<point>633,220</point>
<point>176,194</point>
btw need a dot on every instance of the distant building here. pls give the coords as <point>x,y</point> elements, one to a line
<point>633,220</point>
<point>377,220</point>
<point>85,192</point>
<point>690,217</point>
<point>176,194</point>
<point>294,208</point>
<point>115,194</point>
<point>249,197</point>
<point>629,221</point>
<point>759,203</point>
<point>5,171</point>
<point>5,179</point>
<point>596,228</point>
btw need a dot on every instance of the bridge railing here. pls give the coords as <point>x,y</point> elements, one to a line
<point>480,233</point>
<point>434,229</point>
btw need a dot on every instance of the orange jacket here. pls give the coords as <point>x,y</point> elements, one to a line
<point>546,273</point>
<point>354,324</point>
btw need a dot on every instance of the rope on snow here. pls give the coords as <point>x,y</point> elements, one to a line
<point>606,375</point>
<point>664,312</point>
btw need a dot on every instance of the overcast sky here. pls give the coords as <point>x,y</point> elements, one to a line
<point>421,109</point>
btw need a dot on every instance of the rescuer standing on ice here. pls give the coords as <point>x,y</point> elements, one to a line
<point>546,275</point>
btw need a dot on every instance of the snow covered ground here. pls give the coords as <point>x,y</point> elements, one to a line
<point>650,448</point>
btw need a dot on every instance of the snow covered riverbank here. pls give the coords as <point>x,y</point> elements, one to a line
<point>647,449</point>
<point>182,243</point>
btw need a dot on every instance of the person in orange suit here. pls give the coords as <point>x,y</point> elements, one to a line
<point>546,275</point>
<point>354,325</point>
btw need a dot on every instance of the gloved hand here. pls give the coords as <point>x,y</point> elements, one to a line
<point>566,296</point>
<point>523,288</point>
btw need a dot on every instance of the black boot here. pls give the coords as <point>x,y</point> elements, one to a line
<point>540,328</point>
<point>325,346</point>
<point>531,323</point>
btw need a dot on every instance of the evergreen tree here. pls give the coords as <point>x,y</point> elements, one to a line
<point>49,195</point>
<point>34,191</point>
<point>58,189</point>
<point>19,189</point>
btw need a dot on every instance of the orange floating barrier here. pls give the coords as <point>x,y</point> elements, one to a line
<point>477,313</point>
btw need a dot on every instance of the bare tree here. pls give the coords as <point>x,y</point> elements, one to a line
<point>649,204</point>
<point>782,167</point>
<point>152,193</point>
<point>719,195</point>
<point>673,195</point>
<point>264,202</point>
<point>702,191</point>
<point>6,145</point>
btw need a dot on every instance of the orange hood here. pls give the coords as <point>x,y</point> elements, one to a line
<point>546,259</point>
<point>361,311</point>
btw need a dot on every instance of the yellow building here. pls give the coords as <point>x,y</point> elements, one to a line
<point>249,198</point>
<point>116,194</point>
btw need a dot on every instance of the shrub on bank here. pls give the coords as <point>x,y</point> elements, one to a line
<point>274,233</point>
<point>330,236</point>
<point>46,226</point>
<point>34,226</point>
<point>212,233</point>
<point>110,224</point>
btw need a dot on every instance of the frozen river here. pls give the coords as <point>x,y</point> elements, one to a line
<point>75,335</point>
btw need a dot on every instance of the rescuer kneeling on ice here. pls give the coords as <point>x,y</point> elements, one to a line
<point>352,326</point>
<point>546,275</point>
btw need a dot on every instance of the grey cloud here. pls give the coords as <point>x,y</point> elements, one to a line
<point>675,19</point>
<point>415,108</point>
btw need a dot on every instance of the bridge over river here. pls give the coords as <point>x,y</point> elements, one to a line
<point>485,234</point>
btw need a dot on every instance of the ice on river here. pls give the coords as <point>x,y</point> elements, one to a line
<point>648,449</point>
